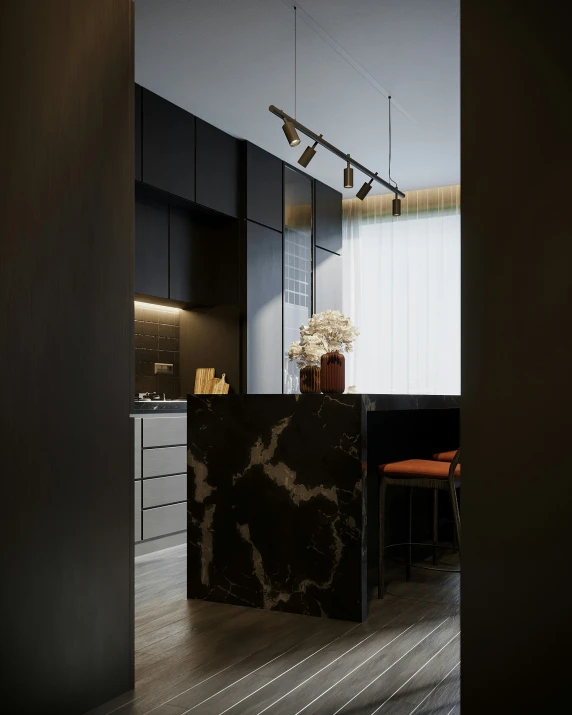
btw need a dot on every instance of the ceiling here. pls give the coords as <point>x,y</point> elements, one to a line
<point>227,60</point>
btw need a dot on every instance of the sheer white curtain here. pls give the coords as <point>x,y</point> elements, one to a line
<point>401,287</point>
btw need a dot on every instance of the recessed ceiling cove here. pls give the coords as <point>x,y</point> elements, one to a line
<point>226,62</point>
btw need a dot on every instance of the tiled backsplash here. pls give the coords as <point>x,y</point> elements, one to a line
<point>156,340</point>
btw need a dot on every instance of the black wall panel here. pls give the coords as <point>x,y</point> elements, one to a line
<point>138,135</point>
<point>66,290</point>
<point>516,418</point>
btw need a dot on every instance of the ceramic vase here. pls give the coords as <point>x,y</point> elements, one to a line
<point>333,373</point>
<point>310,379</point>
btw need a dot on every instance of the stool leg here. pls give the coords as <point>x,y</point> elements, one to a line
<point>381,555</point>
<point>410,520</point>
<point>456,515</point>
<point>435,524</point>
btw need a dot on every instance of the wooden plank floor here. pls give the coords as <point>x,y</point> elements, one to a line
<point>208,659</point>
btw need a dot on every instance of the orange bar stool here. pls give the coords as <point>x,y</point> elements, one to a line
<point>425,474</point>
<point>445,456</point>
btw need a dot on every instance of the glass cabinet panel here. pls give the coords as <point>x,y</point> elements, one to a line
<point>298,259</point>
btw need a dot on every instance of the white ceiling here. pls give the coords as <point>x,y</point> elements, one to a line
<point>227,60</point>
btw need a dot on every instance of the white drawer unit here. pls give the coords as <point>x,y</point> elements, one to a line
<point>164,490</point>
<point>137,455</point>
<point>162,461</point>
<point>137,503</point>
<point>164,431</point>
<point>160,466</point>
<point>164,520</point>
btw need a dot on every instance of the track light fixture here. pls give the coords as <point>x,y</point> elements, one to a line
<point>348,176</point>
<point>308,155</point>
<point>291,124</point>
<point>291,133</point>
<point>365,189</point>
<point>396,206</point>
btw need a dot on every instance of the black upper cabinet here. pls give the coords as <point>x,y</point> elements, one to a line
<point>263,187</point>
<point>180,258</point>
<point>168,146</point>
<point>217,169</point>
<point>151,248</point>
<point>137,133</point>
<point>328,213</point>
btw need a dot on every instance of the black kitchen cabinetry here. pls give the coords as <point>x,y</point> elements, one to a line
<point>138,135</point>
<point>263,186</point>
<point>328,217</point>
<point>216,169</point>
<point>328,280</point>
<point>263,309</point>
<point>151,248</point>
<point>168,146</point>
<point>180,255</point>
<point>210,214</point>
<point>203,258</point>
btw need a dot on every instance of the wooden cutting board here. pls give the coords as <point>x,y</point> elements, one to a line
<point>218,387</point>
<point>203,376</point>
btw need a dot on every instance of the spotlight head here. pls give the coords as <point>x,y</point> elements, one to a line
<point>308,155</point>
<point>348,177</point>
<point>396,204</point>
<point>364,191</point>
<point>291,133</point>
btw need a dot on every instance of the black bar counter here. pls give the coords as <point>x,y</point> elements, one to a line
<point>278,493</point>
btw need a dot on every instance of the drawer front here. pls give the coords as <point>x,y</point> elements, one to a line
<point>164,431</point>
<point>164,460</point>
<point>137,503</point>
<point>164,490</point>
<point>137,460</point>
<point>164,520</point>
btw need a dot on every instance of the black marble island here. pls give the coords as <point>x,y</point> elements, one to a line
<point>277,493</point>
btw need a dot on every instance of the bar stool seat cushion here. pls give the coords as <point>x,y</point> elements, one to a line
<point>418,468</point>
<point>445,456</point>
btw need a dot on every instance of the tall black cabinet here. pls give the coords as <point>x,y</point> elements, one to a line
<point>328,247</point>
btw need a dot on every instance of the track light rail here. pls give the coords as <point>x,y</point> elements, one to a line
<point>330,147</point>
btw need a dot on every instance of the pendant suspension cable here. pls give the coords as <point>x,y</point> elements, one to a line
<point>295,59</point>
<point>391,181</point>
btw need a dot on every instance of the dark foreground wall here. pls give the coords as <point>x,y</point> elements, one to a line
<point>517,356</point>
<point>66,230</point>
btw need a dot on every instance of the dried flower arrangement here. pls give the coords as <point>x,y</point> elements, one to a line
<point>326,332</point>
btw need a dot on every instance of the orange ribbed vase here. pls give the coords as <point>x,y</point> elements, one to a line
<point>333,373</point>
<point>310,379</point>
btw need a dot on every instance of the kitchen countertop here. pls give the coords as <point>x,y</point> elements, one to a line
<point>159,408</point>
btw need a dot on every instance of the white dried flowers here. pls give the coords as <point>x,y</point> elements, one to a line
<point>328,331</point>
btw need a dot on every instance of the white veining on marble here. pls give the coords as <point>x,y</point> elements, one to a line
<point>207,543</point>
<point>270,600</point>
<point>203,489</point>
<point>280,473</point>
